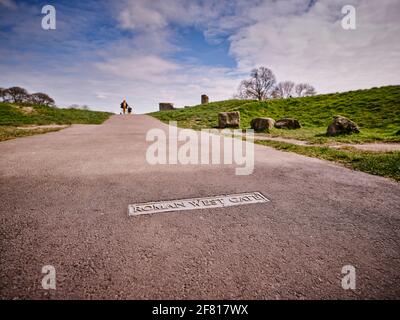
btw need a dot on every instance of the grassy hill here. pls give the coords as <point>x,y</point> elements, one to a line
<point>376,111</point>
<point>16,119</point>
<point>26,114</point>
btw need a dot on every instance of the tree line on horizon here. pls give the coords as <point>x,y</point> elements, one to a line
<point>262,85</point>
<point>21,95</point>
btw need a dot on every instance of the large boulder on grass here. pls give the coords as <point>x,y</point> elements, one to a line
<point>287,123</point>
<point>342,125</point>
<point>229,119</point>
<point>261,124</point>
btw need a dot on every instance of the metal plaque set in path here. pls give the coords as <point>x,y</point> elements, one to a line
<point>196,203</point>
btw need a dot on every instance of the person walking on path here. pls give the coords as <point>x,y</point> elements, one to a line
<point>124,106</point>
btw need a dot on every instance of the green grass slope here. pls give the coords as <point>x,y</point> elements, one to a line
<point>23,114</point>
<point>376,111</point>
<point>14,116</point>
<point>386,164</point>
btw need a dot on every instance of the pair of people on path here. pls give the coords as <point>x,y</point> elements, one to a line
<point>125,107</point>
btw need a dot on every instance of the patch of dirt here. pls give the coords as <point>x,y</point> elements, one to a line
<point>28,110</point>
<point>281,139</point>
<point>25,109</point>
<point>49,126</point>
<point>374,147</point>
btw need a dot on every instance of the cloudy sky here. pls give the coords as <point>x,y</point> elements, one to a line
<point>151,51</point>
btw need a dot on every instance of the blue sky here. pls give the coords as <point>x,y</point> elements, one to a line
<point>176,50</point>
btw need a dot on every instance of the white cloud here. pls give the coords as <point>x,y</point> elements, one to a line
<point>100,95</point>
<point>312,46</point>
<point>299,42</point>
<point>157,14</point>
<point>148,68</point>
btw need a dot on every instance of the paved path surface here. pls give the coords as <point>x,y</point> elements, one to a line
<point>64,198</point>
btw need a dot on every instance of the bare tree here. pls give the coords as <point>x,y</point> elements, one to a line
<point>41,98</point>
<point>305,90</point>
<point>17,94</point>
<point>259,86</point>
<point>284,89</point>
